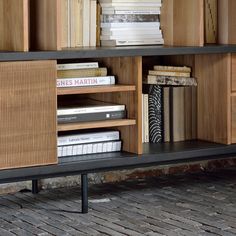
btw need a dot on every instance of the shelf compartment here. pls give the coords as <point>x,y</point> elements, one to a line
<point>96,89</point>
<point>96,124</point>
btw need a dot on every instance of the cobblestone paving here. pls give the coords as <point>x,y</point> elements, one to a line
<point>196,204</point>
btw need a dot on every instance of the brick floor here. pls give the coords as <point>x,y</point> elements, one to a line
<point>197,204</point>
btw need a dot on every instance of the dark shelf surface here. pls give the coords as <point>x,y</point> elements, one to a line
<point>154,154</point>
<point>92,52</point>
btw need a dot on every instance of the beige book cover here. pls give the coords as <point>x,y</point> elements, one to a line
<point>169,73</point>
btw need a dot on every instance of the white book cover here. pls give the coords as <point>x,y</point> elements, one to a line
<point>113,43</point>
<point>93,23</point>
<point>130,1</point>
<point>87,81</point>
<point>131,25</point>
<point>86,22</point>
<point>129,8</point>
<point>88,138</point>
<point>130,31</point>
<point>131,4</point>
<point>89,109</point>
<point>132,12</point>
<point>59,151</point>
<point>89,148</point>
<point>75,66</point>
<point>69,150</point>
<point>131,37</point>
<point>109,147</point>
<point>94,148</point>
<point>104,147</point>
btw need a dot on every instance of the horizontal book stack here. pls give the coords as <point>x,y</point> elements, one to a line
<point>89,143</point>
<point>170,100</point>
<point>130,22</point>
<point>82,74</point>
<point>79,23</point>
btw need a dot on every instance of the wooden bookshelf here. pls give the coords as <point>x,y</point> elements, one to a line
<point>94,125</point>
<point>96,89</point>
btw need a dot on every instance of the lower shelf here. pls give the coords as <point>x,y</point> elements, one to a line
<point>154,154</point>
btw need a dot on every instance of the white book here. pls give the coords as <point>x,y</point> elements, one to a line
<point>74,66</point>
<point>94,148</point>
<point>93,23</point>
<point>79,150</point>
<point>131,25</point>
<point>87,81</point>
<point>131,4</point>
<point>89,109</point>
<point>113,43</point>
<point>130,8</point>
<point>86,22</point>
<point>89,148</point>
<point>131,1</point>
<point>131,37</point>
<point>99,147</point>
<point>130,31</point>
<point>104,147</point>
<point>146,121</point>
<point>88,138</point>
<point>69,150</point>
<point>109,147</point>
<point>59,151</point>
<point>131,12</point>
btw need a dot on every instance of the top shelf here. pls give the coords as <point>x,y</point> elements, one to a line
<point>91,52</point>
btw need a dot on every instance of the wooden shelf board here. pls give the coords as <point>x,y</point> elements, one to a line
<point>95,89</point>
<point>96,124</point>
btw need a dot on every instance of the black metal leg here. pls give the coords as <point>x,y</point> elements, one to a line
<point>35,187</point>
<point>84,191</point>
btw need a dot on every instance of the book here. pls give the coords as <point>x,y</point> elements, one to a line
<point>130,4</point>
<point>173,68</point>
<point>132,37</point>
<point>78,73</point>
<point>86,117</point>
<point>155,113</point>
<point>136,11</point>
<point>169,73</point>
<point>133,1</point>
<point>75,66</point>
<point>89,148</point>
<point>114,18</point>
<point>170,80</point>
<point>166,114</point>
<point>88,137</point>
<point>188,112</point>
<point>86,22</point>
<point>130,31</point>
<point>87,107</point>
<point>131,25</point>
<point>93,23</point>
<point>177,117</point>
<point>82,82</point>
<point>146,119</point>
<point>113,43</point>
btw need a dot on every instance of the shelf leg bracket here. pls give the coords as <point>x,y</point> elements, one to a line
<point>84,193</point>
<point>35,186</point>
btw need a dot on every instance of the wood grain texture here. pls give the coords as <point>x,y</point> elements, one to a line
<point>210,21</point>
<point>14,29</point>
<point>46,27</point>
<point>233,71</point>
<point>97,124</point>
<point>182,22</point>
<point>96,89</point>
<point>128,70</point>
<point>213,73</point>
<point>28,114</point>
<point>227,21</point>
<point>234,119</point>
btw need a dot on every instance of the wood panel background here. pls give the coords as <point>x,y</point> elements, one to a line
<point>227,21</point>
<point>128,70</point>
<point>233,119</point>
<point>14,29</point>
<point>182,22</point>
<point>213,73</point>
<point>28,127</point>
<point>46,27</point>
<point>233,72</point>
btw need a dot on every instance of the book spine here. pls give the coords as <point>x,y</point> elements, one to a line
<point>87,138</point>
<point>75,66</point>
<point>91,117</point>
<point>155,114</point>
<point>131,42</point>
<point>131,4</point>
<point>89,148</point>
<point>132,37</point>
<point>131,12</point>
<point>131,25</point>
<point>173,68</point>
<point>81,82</point>
<point>169,73</point>
<point>90,110</point>
<point>82,73</point>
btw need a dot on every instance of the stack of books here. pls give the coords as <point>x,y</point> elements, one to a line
<point>130,22</point>
<point>82,74</point>
<point>86,110</point>
<point>88,143</point>
<point>170,101</point>
<point>79,22</point>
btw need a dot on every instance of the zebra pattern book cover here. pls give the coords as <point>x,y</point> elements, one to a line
<point>155,114</point>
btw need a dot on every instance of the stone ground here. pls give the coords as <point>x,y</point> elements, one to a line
<point>193,204</point>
